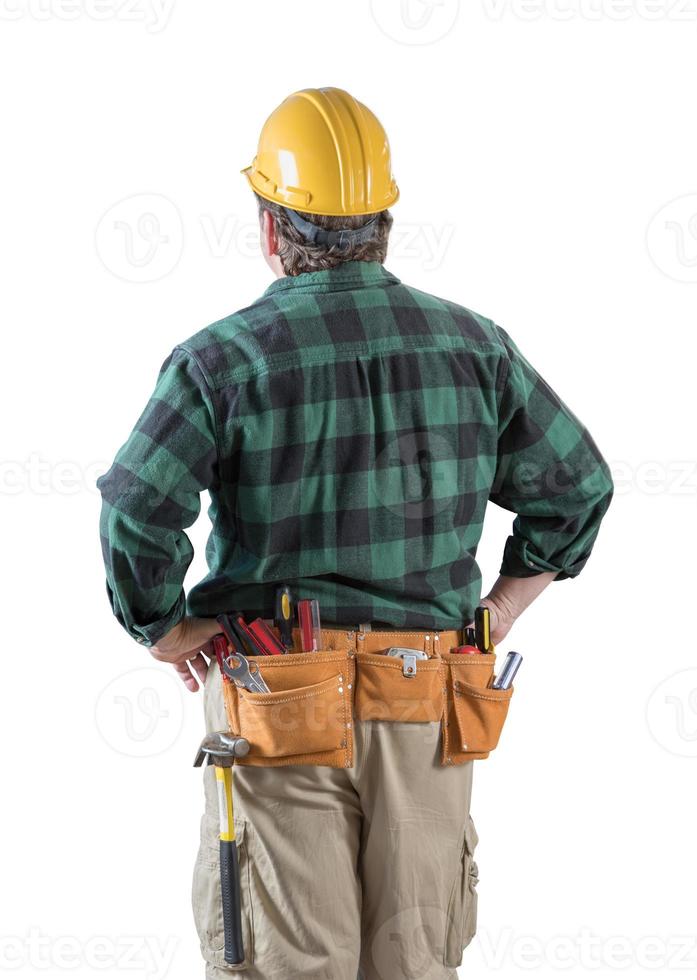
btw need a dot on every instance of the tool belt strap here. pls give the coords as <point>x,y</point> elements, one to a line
<point>432,642</point>
<point>365,639</point>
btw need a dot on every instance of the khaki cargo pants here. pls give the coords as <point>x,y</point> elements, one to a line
<point>364,873</point>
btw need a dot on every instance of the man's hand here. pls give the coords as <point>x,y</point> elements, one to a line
<point>509,598</point>
<point>184,647</point>
<point>501,618</point>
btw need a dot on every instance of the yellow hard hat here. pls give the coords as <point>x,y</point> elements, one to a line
<point>323,152</point>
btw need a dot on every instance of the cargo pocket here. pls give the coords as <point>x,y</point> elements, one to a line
<point>207,897</point>
<point>475,712</point>
<point>461,924</point>
<point>305,719</point>
<point>384,692</point>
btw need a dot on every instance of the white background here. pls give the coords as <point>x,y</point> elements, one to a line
<point>545,151</point>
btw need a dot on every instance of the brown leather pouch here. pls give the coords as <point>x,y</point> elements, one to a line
<point>384,692</point>
<point>307,717</point>
<point>475,712</point>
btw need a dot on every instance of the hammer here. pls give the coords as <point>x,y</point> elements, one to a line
<point>221,749</point>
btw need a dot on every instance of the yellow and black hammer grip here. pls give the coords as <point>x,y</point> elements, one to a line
<point>229,870</point>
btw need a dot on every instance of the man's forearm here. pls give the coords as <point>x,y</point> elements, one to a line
<point>510,596</point>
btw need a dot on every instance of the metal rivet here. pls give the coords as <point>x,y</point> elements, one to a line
<point>341,690</point>
<point>348,724</point>
<point>349,686</point>
<point>340,678</point>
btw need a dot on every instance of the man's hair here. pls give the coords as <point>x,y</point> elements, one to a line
<point>299,255</point>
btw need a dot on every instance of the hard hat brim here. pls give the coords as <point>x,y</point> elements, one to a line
<point>249,172</point>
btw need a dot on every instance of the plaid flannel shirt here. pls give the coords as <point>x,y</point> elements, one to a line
<point>350,431</point>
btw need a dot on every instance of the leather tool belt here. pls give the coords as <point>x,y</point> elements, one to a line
<point>315,698</point>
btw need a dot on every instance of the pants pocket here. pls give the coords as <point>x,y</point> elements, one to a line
<point>305,719</point>
<point>461,924</point>
<point>207,896</point>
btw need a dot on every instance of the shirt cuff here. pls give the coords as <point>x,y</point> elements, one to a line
<point>149,634</point>
<point>520,561</point>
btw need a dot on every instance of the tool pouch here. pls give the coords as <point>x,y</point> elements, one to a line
<point>474,712</point>
<point>307,719</point>
<point>386,692</point>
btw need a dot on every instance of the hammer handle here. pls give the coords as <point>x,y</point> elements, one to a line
<point>232,906</point>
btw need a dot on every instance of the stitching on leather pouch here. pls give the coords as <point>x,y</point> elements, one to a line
<point>466,692</point>
<point>382,634</point>
<point>467,659</point>
<point>320,689</point>
<point>445,728</point>
<point>348,706</point>
<point>343,707</point>
<point>394,663</point>
<point>311,658</point>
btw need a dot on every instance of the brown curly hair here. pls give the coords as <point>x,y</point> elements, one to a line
<point>298,255</point>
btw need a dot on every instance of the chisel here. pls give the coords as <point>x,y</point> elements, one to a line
<point>508,671</point>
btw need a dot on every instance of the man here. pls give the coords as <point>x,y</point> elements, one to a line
<point>350,431</point>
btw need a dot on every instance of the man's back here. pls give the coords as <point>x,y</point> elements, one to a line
<point>350,430</point>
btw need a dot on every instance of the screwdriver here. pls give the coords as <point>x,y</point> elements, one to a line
<point>239,633</point>
<point>482,628</point>
<point>265,639</point>
<point>283,616</point>
<point>308,621</point>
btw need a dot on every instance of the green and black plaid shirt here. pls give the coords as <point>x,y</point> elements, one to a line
<point>350,431</point>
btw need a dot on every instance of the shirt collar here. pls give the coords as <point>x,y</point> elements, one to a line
<point>354,275</point>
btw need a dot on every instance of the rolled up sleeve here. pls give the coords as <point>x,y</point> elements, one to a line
<point>549,472</point>
<point>151,493</point>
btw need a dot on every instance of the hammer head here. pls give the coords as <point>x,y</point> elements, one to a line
<point>221,749</point>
